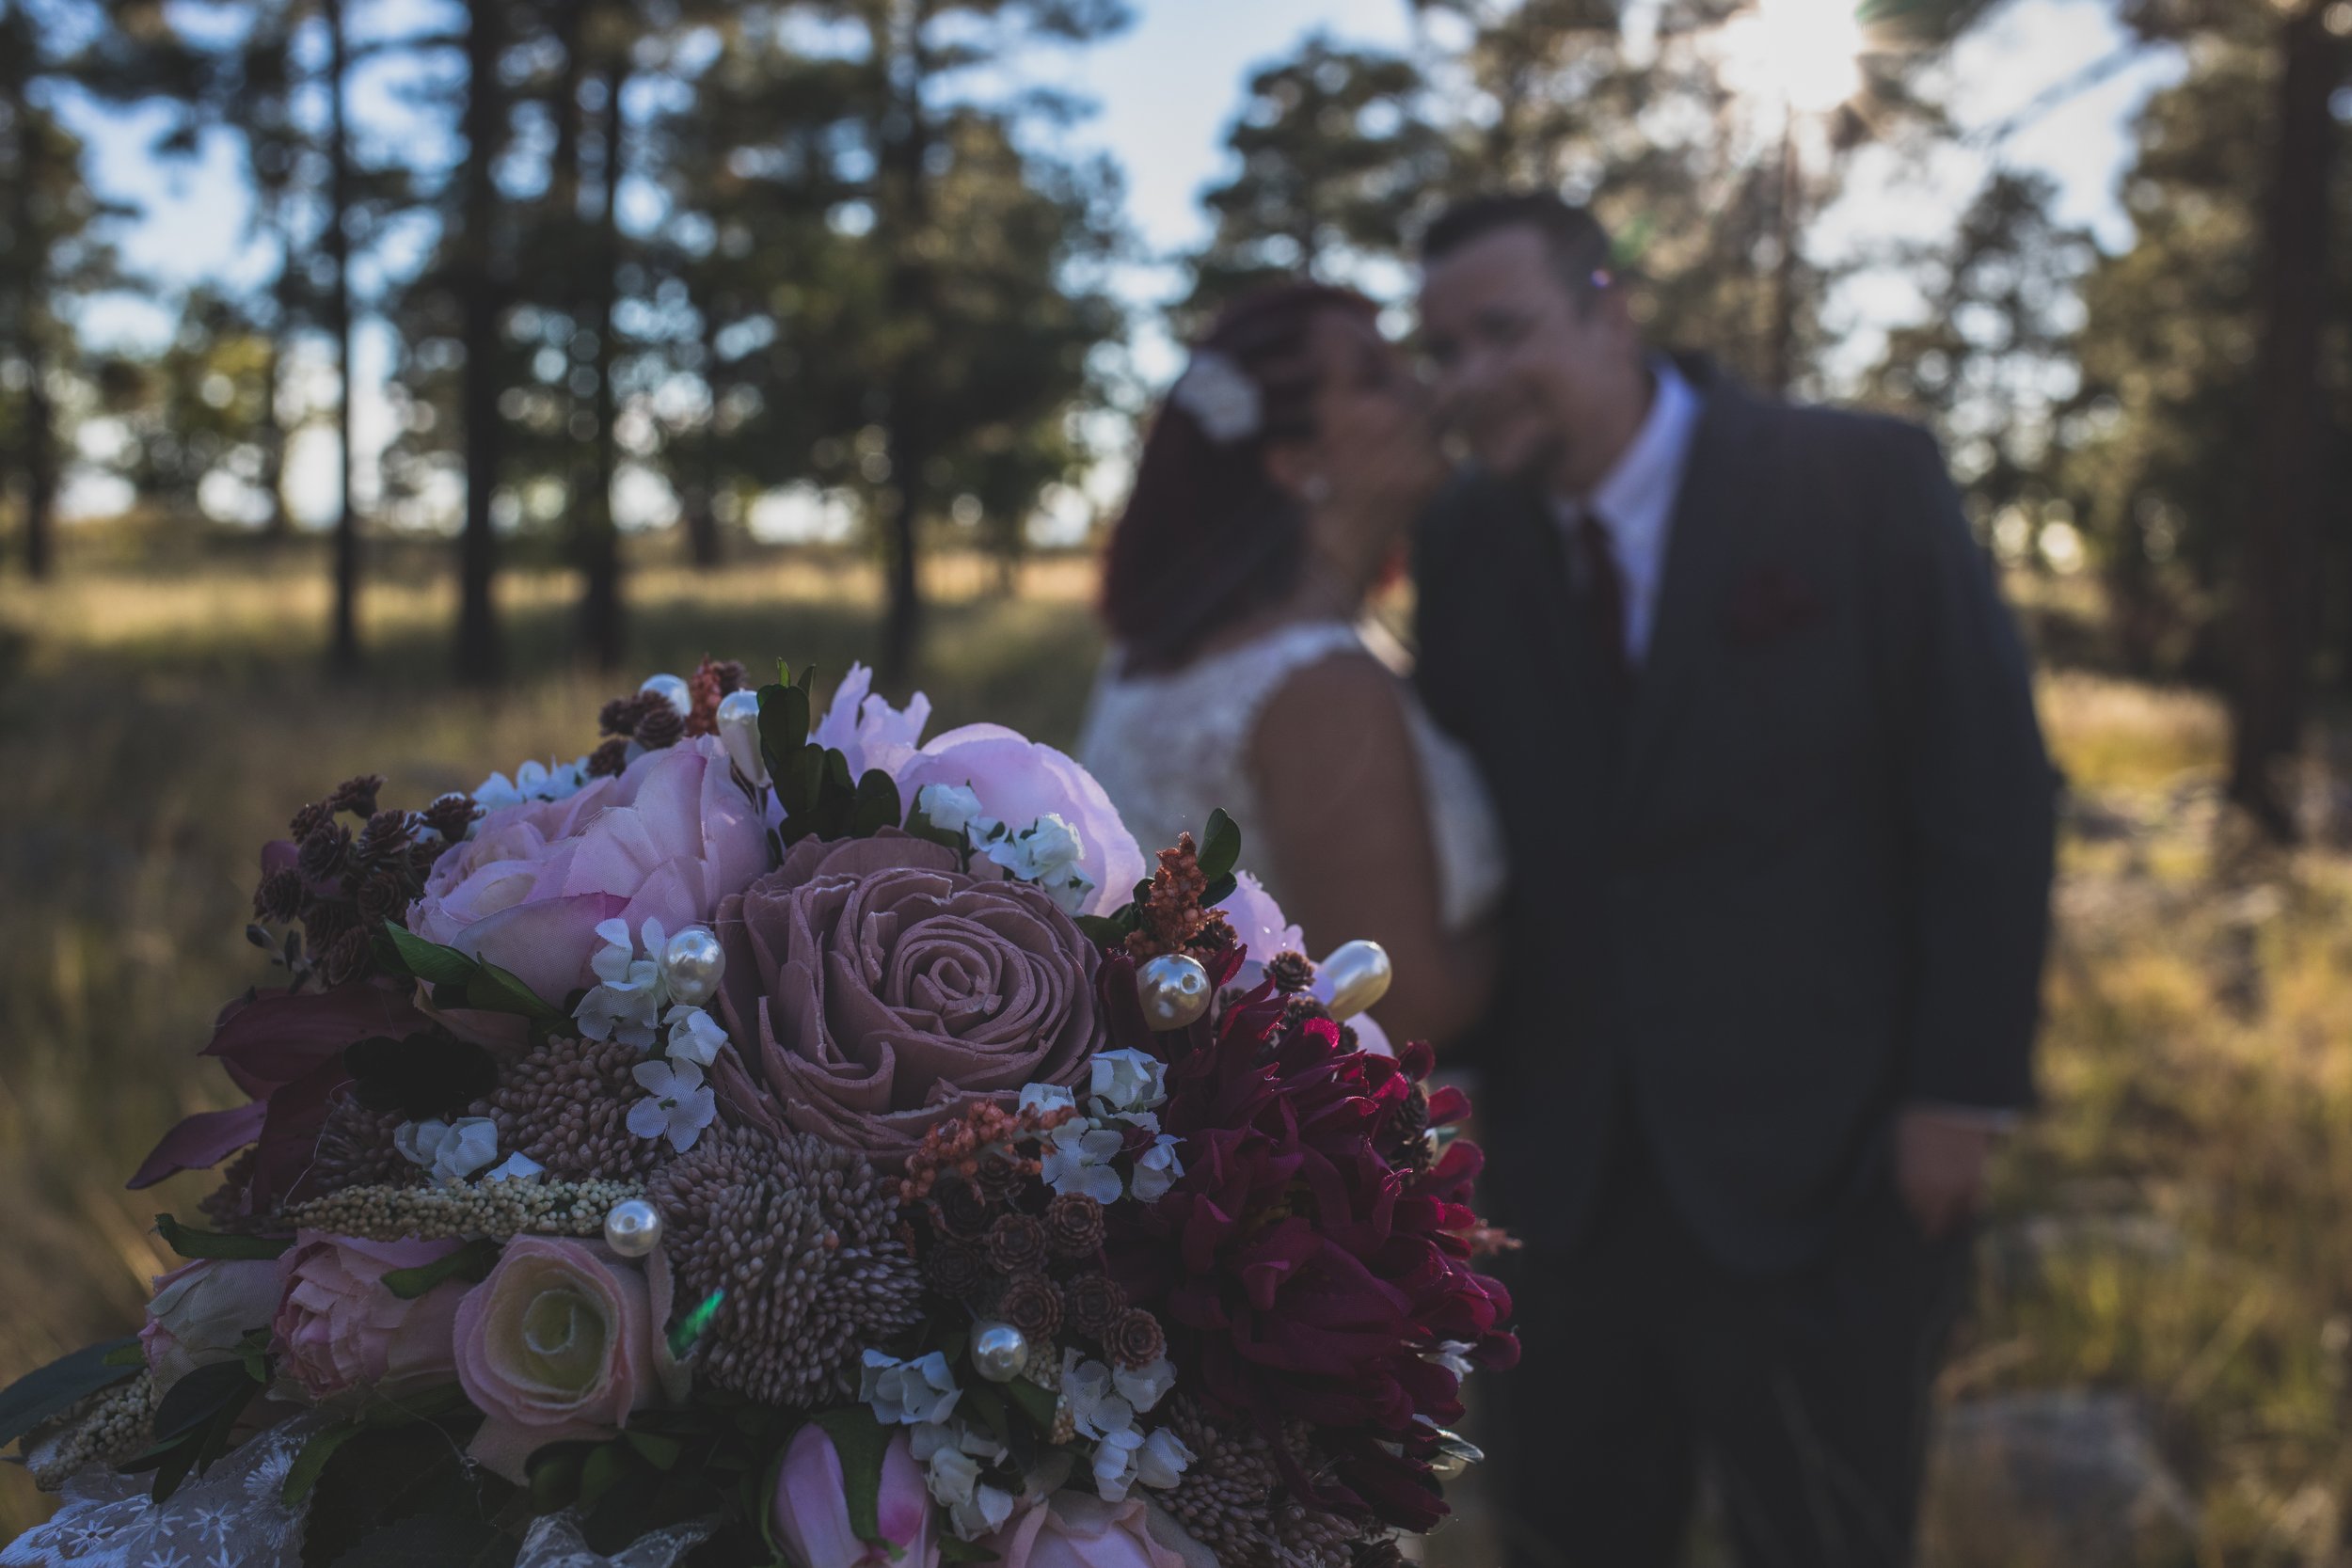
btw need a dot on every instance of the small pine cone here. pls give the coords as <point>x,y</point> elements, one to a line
<point>309,820</point>
<point>962,1211</point>
<point>229,1206</point>
<point>1136,1339</point>
<point>1291,973</point>
<point>1001,1177</point>
<point>280,896</point>
<point>1093,1303</point>
<point>451,816</point>
<point>608,759</point>
<point>381,897</point>
<point>1073,1226</point>
<point>356,794</point>
<point>422,856</point>
<point>716,679</point>
<point>565,1104</point>
<point>348,958</point>
<point>326,922</point>
<point>955,1269</point>
<point>1016,1244</point>
<point>385,838</point>
<point>1216,935</point>
<point>325,851</point>
<point>659,727</point>
<point>1031,1304</point>
<point>617,717</point>
<point>1300,1009</point>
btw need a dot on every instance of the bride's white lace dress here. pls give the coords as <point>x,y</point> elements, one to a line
<point>1168,749</point>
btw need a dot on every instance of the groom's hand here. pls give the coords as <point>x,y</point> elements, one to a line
<point>1940,1160</point>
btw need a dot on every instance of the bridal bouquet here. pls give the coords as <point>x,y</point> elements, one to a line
<point>753,1144</point>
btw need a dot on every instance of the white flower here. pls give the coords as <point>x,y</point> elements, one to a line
<point>1454,1355</point>
<point>694,1037</point>
<point>677,1103</point>
<point>1163,1461</point>
<point>451,1150</point>
<point>904,1393</point>
<point>1146,1386</point>
<point>1046,853</point>
<point>1128,1079</point>
<point>952,807</point>
<point>1115,1464</point>
<point>627,1005</point>
<point>515,1167</point>
<point>1078,1160</point>
<point>953,1455</point>
<point>1156,1169</point>
<point>532,781</point>
<point>1221,398</point>
<point>982,1514</point>
<point>1049,1096</point>
<point>1096,1407</point>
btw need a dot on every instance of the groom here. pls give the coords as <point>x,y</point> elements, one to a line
<point>1764,747</point>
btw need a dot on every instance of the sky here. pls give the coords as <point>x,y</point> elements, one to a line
<point>1166,90</point>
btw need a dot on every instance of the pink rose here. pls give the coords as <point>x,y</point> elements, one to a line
<point>340,1327</point>
<point>665,839</point>
<point>1073,1530</point>
<point>203,1311</point>
<point>812,1510</point>
<point>1018,781</point>
<point>555,1346</point>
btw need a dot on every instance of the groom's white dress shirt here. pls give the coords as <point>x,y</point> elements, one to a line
<point>1634,503</point>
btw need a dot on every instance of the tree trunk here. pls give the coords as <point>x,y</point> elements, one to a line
<point>278,527</point>
<point>602,631</point>
<point>39,435</point>
<point>906,209</point>
<point>345,653</point>
<point>702,491</point>
<point>478,655</point>
<point>1780,347</point>
<point>2278,599</point>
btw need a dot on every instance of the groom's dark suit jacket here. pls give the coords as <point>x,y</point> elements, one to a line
<point>1797,877</point>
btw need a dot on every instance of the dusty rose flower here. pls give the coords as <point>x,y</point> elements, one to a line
<point>1073,1530</point>
<point>872,991</point>
<point>555,1346</point>
<point>665,839</point>
<point>811,1507</point>
<point>339,1326</point>
<point>202,1310</point>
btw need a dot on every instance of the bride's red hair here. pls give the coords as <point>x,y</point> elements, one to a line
<point>1207,535</point>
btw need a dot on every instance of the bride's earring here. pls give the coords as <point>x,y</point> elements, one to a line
<point>1317,490</point>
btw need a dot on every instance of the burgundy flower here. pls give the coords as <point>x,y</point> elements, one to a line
<point>1303,1267</point>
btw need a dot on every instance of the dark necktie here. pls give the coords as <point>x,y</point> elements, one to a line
<point>1604,593</point>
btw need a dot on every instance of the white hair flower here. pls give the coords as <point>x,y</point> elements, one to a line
<point>1220,397</point>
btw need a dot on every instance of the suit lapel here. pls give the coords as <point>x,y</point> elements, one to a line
<point>1702,548</point>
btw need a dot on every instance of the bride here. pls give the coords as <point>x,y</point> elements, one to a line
<point>1278,482</point>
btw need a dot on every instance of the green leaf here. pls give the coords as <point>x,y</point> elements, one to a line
<point>128,1353</point>
<point>1219,890</point>
<point>783,724</point>
<point>389,1473</point>
<point>1104,931</point>
<point>1035,1403</point>
<point>954,1548</point>
<point>861,1442</point>
<point>434,1541</point>
<point>429,961</point>
<point>660,1452</point>
<point>500,990</point>
<point>605,1464</point>
<point>877,804</point>
<point>40,1397</point>
<point>555,1475</point>
<point>474,1260</point>
<point>190,1243</point>
<point>304,1473</point>
<point>989,1405</point>
<point>1220,846</point>
<point>199,1396</point>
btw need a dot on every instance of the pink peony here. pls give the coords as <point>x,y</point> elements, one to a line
<point>201,1310</point>
<point>339,1327</point>
<point>1018,781</point>
<point>1073,1530</point>
<point>555,1346</point>
<point>811,1507</point>
<point>665,839</point>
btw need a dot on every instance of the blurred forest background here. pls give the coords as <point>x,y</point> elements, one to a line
<point>798,330</point>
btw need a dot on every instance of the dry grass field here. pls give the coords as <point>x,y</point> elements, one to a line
<point>2176,1228</point>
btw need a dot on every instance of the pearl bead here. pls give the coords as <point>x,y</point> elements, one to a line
<point>1358,974</point>
<point>999,1350</point>
<point>1455,1454</point>
<point>633,1228</point>
<point>738,732</point>
<point>680,695</point>
<point>691,962</point>
<point>1174,989</point>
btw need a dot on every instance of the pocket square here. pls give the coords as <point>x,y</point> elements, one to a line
<point>1771,601</point>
